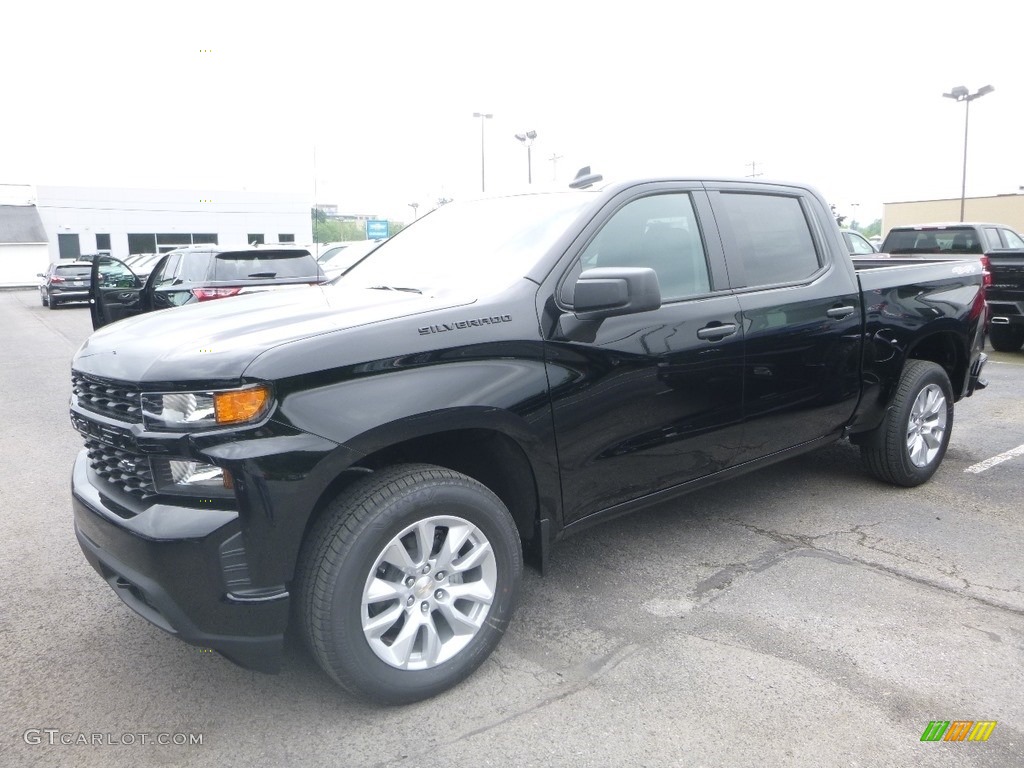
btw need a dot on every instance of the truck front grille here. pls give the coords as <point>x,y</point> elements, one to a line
<point>114,399</point>
<point>127,470</point>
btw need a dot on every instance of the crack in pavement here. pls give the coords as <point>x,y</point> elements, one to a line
<point>802,545</point>
<point>582,676</point>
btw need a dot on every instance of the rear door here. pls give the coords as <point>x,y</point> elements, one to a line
<point>801,310</point>
<point>115,292</point>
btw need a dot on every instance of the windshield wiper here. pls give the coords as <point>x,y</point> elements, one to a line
<point>393,288</point>
<point>263,274</point>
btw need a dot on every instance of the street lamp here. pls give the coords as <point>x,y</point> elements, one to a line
<point>526,139</point>
<point>483,116</point>
<point>962,94</point>
<point>415,210</point>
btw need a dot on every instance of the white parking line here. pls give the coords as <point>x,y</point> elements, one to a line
<point>981,466</point>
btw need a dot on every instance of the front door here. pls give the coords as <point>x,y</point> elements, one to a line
<point>116,292</point>
<point>647,401</point>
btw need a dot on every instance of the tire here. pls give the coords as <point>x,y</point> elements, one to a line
<point>387,609</point>
<point>909,444</point>
<point>44,299</point>
<point>1006,338</point>
<point>52,304</point>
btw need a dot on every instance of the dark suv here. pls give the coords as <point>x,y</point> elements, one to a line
<point>194,274</point>
<point>63,282</point>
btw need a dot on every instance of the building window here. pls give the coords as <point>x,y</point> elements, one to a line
<point>141,243</point>
<point>69,246</point>
<point>174,238</point>
<point>204,238</point>
<point>254,239</point>
<point>286,238</point>
<point>102,242</point>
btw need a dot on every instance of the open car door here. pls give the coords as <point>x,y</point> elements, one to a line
<point>116,292</point>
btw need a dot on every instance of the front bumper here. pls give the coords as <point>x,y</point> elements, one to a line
<point>173,565</point>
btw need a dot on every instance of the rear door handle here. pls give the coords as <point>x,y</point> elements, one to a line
<point>716,332</point>
<point>839,313</point>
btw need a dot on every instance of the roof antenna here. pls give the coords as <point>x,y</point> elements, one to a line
<point>584,178</point>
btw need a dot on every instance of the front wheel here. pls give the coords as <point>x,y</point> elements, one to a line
<point>908,446</point>
<point>408,581</point>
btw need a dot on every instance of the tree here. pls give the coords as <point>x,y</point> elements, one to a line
<point>839,219</point>
<point>872,229</point>
<point>327,231</point>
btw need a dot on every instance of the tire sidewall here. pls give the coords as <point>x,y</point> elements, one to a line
<point>1006,338</point>
<point>347,641</point>
<point>925,377</point>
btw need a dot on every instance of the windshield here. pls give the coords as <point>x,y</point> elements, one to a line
<point>341,258</point>
<point>482,244</point>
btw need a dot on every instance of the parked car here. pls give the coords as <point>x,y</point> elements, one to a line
<point>336,260</point>
<point>372,460</point>
<point>857,244</point>
<point>142,264</point>
<point>1001,252</point>
<point>65,282</point>
<point>196,274</point>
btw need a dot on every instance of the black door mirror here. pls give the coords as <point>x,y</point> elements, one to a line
<point>610,291</point>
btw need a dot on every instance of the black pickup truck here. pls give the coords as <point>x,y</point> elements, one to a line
<point>372,461</point>
<point>1001,252</point>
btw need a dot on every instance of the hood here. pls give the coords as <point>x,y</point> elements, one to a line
<point>216,340</point>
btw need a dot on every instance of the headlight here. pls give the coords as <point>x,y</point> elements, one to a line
<point>203,410</point>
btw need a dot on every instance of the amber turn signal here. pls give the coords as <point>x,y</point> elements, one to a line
<point>240,405</point>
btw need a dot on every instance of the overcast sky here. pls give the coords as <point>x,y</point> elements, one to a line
<point>370,103</point>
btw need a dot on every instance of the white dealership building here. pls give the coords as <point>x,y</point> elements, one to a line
<point>83,220</point>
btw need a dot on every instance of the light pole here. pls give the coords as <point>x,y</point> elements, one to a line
<point>483,116</point>
<point>415,210</point>
<point>962,94</point>
<point>526,139</point>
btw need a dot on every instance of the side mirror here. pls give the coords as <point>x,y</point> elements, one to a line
<point>611,291</point>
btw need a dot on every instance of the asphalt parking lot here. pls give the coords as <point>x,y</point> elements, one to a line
<point>804,615</point>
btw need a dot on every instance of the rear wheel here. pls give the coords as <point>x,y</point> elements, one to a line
<point>1006,338</point>
<point>909,444</point>
<point>408,581</point>
<point>44,299</point>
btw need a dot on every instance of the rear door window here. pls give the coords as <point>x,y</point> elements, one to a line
<point>771,236</point>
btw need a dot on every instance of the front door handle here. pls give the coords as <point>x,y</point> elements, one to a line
<point>716,332</point>
<point>840,313</point>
